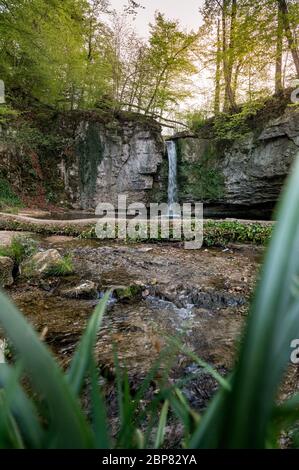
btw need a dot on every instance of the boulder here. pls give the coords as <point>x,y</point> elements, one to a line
<point>41,264</point>
<point>85,290</point>
<point>6,268</point>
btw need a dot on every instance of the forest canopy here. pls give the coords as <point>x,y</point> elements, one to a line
<point>82,54</point>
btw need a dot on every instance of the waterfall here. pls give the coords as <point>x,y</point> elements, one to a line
<point>172,174</point>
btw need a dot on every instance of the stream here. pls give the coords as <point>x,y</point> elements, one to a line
<point>199,297</point>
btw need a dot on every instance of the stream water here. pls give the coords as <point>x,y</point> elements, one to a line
<point>199,297</point>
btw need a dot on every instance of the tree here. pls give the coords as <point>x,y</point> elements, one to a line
<point>54,51</point>
<point>291,38</point>
<point>279,51</point>
<point>170,61</point>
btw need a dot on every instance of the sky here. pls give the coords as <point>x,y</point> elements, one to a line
<point>187,11</point>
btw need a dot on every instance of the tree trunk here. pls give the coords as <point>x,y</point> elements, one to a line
<point>279,51</point>
<point>283,6</point>
<point>218,73</point>
<point>228,53</point>
<point>235,79</point>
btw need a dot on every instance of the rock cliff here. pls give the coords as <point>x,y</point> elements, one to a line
<point>83,158</point>
<point>119,157</point>
<point>249,172</point>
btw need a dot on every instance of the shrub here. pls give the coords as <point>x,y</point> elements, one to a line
<point>7,196</point>
<point>230,127</point>
<point>20,248</point>
<point>196,120</point>
<point>63,267</point>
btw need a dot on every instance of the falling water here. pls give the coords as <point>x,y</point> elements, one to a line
<point>172,174</point>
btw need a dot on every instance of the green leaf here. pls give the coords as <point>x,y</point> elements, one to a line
<point>100,423</point>
<point>162,425</point>
<point>10,437</point>
<point>21,408</point>
<point>67,421</point>
<point>80,362</point>
<point>240,419</point>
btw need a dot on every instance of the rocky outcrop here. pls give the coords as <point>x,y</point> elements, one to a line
<point>6,270</point>
<point>90,157</point>
<point>83,158</point>
<point>112,158</point>
<point>255,170</point>
<point>252,169</point>
<point>41,264</point>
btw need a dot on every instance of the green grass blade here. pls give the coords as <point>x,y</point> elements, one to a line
<point>66,418</point>
<point>10,437</point>
<point>21,408</point>
<point>100,423</point>
<point>80,362</point>
<point>240,419</point>
<point>162,425</point>
<point>207,367</point>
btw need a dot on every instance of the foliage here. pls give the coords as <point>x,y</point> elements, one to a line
<point>248,47</point>
<point>20,248</point>
<point>221,233</point>
<point>7,114</point>
<point>230,127</point>
<point>55,418</point>
<point>216,233</point>
<point>201,179</point>
<point>81,54</point>
<point>63,267</point>
<point>50,50</point>
<point>26,135</point>
<point>78,54</point>
<point>7,196</point>
<point>196,120</point>
<point>248,416</point>
<point>201,182</point>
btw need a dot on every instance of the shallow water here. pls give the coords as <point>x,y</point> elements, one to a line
<point>199,296</point>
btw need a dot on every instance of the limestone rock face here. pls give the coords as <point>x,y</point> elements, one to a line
<point>41,264</point>
<point>111,159</point>
<point>253,168</point>
<point>6,268</point>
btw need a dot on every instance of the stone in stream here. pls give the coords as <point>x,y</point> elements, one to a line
<point>2,351</point>
<point>127,293</point>
<point>85,290</point>
<point>6,268</point>
<point>41,264</point>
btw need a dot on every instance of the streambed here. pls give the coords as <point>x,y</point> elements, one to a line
<point>199,297</point>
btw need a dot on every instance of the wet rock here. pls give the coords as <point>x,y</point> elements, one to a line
<point>128,293</point>
<point>41,264</point>
<point>6,268</point>
<point>211,299</point>
<point>85,290</point>
<point>2,351</point>
<point>202,387</point>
